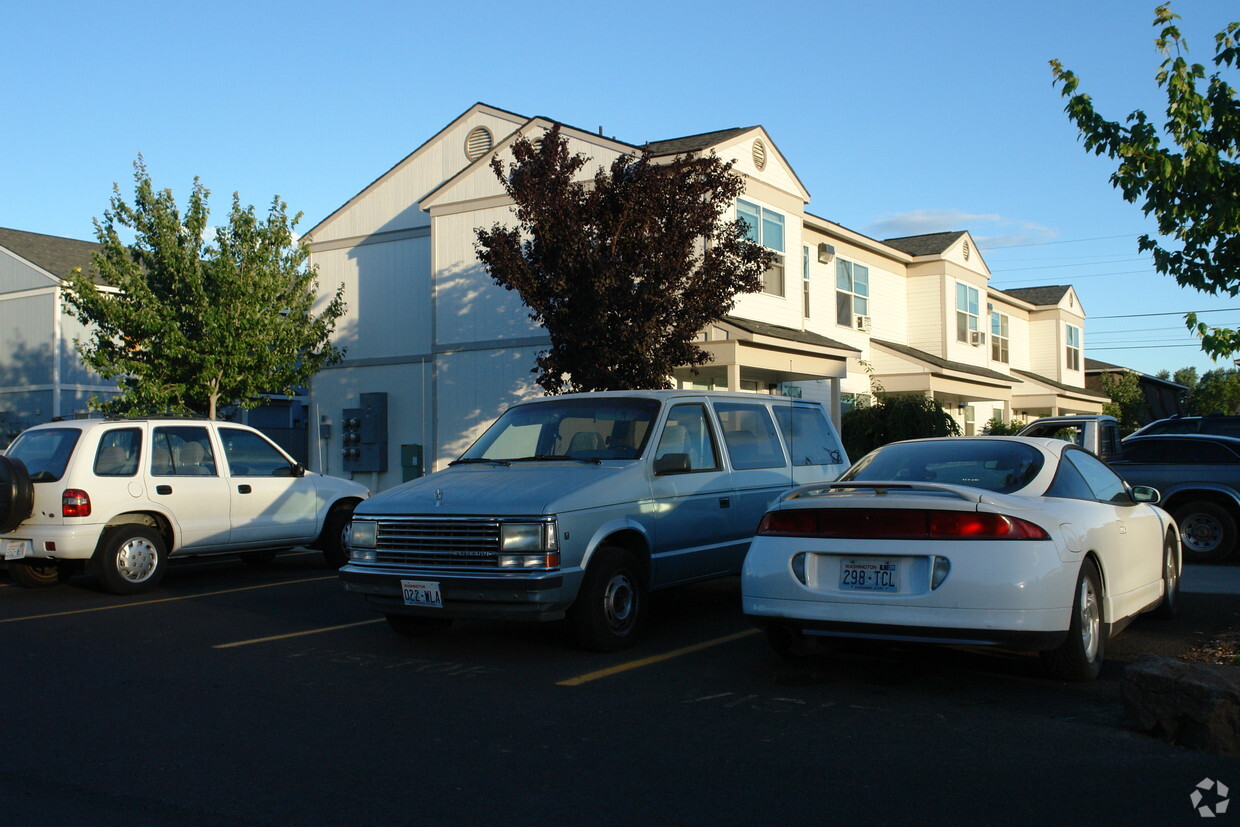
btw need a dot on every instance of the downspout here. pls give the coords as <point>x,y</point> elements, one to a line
<point>57,350</point>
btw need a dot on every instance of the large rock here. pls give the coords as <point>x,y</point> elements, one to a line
<point>1193,704</point>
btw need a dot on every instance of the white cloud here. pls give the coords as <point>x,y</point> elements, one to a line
<point>988,229</point>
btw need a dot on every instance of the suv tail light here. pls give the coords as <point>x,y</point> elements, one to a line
<point>898,524</point>
<point>74,503</point>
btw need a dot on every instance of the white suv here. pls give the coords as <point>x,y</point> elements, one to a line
<point>124,495</point>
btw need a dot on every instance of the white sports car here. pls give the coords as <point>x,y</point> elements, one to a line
<point>1019,543</point>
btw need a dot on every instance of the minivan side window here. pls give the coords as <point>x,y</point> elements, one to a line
<point>688,433</point>
<point>750,435</point>
<point>809,438</point>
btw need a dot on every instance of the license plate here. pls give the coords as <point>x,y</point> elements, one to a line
<point>869,576</point>
<point>421,593</point>
<point>16,549</point>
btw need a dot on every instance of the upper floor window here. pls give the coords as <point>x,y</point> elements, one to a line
<point>1072,337</point>
<point>805,281</point>
<point>999,339</point>
<point>967,306</point>
<point>766,227</point>
<point>852,291</point>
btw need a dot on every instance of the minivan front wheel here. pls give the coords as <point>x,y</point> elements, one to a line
<point>612,602</point>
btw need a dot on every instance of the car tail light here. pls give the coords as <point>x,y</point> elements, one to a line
<point>898,524</point>
<point>74,502</point>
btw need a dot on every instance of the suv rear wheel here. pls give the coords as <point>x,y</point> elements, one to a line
<point>38,574</point>
<point>131,558</point>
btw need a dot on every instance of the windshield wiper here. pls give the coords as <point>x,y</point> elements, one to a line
<point>469,460</point>
<point>557,458</point>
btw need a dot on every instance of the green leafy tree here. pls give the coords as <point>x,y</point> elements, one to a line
<point>1127,403</point>
<point>997,427</point>
<point>1188,184</point>
<point>891,419</point>
<point>1185,376</point>
<point>1218,391</point>
<point>623,271</point>
<point>184,323</point>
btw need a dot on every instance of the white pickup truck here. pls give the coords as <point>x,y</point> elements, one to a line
<point>1095,432</point>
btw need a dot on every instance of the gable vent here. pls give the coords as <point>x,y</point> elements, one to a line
<point>477,143</point>
<point>966,251</point>
<point>759,154</point>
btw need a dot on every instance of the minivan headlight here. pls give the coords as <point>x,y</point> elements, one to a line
<point>362,540</point>
<point>522,537</point>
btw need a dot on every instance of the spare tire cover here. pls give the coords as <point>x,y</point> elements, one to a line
<point>16,493</point>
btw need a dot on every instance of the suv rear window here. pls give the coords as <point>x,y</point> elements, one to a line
<point>46,452</point>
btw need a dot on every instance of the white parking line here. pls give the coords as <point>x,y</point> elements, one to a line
<point>297,634</point>
<point>165,599</point>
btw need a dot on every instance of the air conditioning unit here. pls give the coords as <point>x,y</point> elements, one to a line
<point>862,323</point>
<point>977,338</point>
<point>826,252</point>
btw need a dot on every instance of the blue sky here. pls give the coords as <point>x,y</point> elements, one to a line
<point>899,117</point>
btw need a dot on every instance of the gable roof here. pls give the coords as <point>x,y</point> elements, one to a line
<point>945,364</point>
<point>54,254</point>
<point>477,107</point>
<point>930,244</point>
<point>1061,387</point>
<point>1040,296</point>
<point>789,333</point>
<point>694,143</point>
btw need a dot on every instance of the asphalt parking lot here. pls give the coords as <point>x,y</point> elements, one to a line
<point>265,696</point>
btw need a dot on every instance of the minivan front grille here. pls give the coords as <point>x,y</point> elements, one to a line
<point>439,542</point>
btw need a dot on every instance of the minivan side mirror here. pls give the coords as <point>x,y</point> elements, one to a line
<point>671,464</point>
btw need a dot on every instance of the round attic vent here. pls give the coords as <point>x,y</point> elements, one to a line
<point>477,143</point>
<point>759,154</point>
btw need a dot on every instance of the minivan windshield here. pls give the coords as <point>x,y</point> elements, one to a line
<point>45,452</point>
<point>568,429</point>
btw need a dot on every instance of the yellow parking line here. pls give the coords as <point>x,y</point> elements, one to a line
<point>297,634</point>
<point>637,664</point>
<point>165,599</point>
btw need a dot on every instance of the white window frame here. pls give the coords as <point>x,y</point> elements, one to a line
<point>1072,347</point>
<point>968,309</point>
<point>846,283</point>
<point>1000,338</point>
<point>772,279</point>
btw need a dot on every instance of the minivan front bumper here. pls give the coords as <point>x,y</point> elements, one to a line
<point>541,596</point>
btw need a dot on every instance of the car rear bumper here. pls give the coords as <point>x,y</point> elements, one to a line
<point>1022,630</point>
<point>55,542</point>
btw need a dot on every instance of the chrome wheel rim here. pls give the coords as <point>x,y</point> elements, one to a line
<point>1201,532</point>
<point>1091,619</point>
<point>619,602</point>
<point>136,559</point>
<point>1170,576</point>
